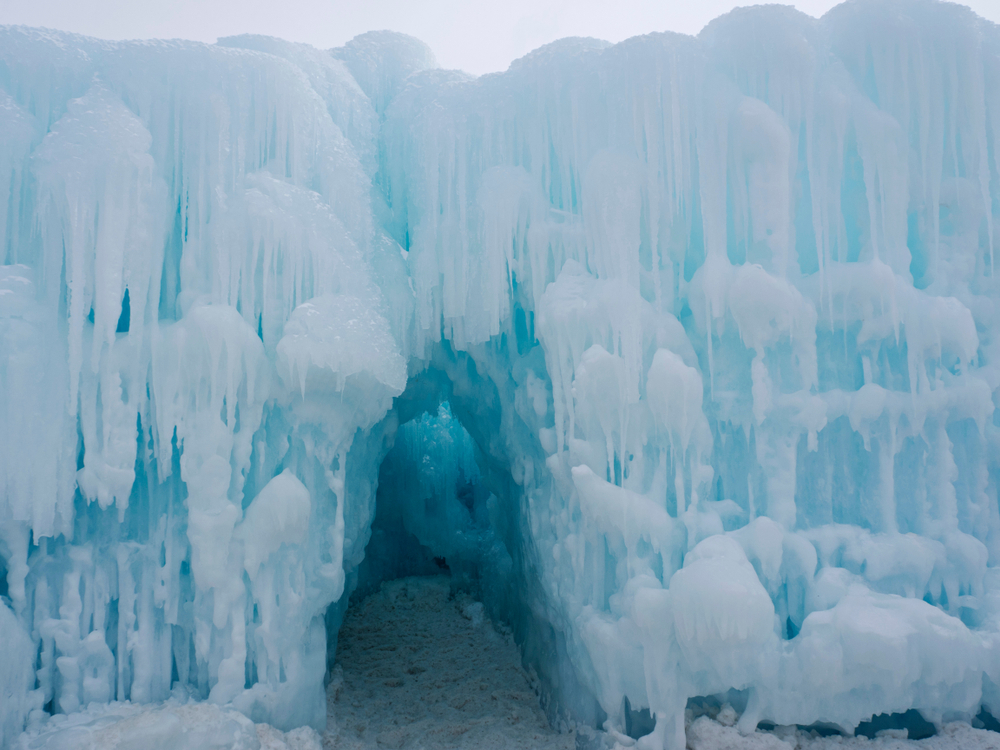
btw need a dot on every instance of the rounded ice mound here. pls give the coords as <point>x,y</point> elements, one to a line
<point>558,53</point>
<point>721,610</point>
<point>381,61</point>
<point>334,337</point>
<point>877,648</point>
<point>329,77</point>
<point>674,391</point>
<point>278,515</point>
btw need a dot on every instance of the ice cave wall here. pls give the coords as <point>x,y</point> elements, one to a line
<point>718,313</point>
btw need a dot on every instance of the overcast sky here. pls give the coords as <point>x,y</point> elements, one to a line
<point>474,35</point>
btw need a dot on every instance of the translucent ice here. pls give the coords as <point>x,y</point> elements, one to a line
<point>683,352</point>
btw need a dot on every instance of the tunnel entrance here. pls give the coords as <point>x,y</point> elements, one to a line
<point>433,512</point>
<point>445,500</point>
<point>447,508</point>
<point>426,648</point>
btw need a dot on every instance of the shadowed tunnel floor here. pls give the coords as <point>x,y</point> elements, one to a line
<point>418,669</point>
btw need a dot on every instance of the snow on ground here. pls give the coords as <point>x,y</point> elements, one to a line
<point>707,734</point>
<point>166,726</point>
<point>418,669</point>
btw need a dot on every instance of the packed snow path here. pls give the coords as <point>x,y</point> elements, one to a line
<point>419,669</point>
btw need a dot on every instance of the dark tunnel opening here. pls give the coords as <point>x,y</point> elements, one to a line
<point>433,512</point>
<point>443,504</point>
<point>448,504</point>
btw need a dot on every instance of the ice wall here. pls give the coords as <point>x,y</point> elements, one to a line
<point>759,265</point>
<point>192,333</point>
<point>718,314</point>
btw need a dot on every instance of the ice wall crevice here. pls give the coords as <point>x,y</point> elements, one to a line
<point>718,315</point>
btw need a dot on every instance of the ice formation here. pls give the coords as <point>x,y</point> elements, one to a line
<point>682,350</point>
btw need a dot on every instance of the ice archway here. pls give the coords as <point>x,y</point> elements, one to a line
<point>718,314</point>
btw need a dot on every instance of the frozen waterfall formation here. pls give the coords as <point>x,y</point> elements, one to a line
<point>683,350</point>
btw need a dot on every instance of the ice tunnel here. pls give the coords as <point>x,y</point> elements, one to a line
<point>680,351</point>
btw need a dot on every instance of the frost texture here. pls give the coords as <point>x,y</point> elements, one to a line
<point>714,319</point>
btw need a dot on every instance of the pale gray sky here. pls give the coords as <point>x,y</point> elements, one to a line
<point>478,36</point>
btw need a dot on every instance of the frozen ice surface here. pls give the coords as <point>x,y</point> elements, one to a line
<point>681,354</point>
<point>706,734</point>
<point>16,674</point>
<point>168,726</point>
